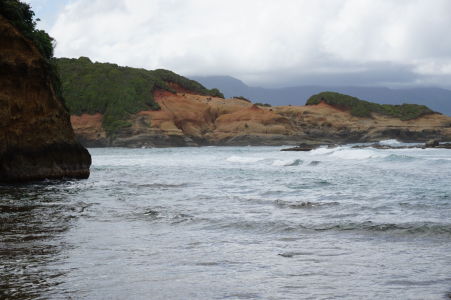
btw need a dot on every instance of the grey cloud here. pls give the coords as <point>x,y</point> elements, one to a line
<point>371,74</point>
<point>366,42</point>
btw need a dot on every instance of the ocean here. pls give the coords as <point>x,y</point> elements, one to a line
<point>234,223</point>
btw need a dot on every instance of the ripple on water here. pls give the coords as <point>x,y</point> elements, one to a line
<point>302,204</point>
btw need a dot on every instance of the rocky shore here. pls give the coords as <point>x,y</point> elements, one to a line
<point>429,144</point>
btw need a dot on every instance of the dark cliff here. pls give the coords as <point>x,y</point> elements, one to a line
<point>36,137</point>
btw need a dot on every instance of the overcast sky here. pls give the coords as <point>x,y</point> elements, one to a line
<point>263,42</point>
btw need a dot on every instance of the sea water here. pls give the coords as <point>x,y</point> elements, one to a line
<point>234,223</point>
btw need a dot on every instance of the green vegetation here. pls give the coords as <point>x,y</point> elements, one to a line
<point>263,104</point>
<point>22,17</point>
<point>242,98</point>
<point>191,85</point>
<point>361,108</point>
<point>117,91</point>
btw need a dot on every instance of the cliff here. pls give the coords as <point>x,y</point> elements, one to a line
<point>37,140</point>
<point>189,119</point>
<point>127,107</point>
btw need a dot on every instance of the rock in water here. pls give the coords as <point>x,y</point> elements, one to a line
<point>301,147</point>
<point>432,143</point>
<point>36,137</point>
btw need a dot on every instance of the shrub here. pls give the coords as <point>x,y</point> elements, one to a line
<point>242,98</point>
<point>263,104</point>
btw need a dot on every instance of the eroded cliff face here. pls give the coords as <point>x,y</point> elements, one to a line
<point>36,137</point>
<point>187,119</point>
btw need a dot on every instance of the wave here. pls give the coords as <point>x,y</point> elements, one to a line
<point>302,204</point>
<point>288,163</point>
<point>244,159</point>
<point>348,153</point>
<point>271,161</point>
<point>356,154</point>
<point>428,229</point>
<point>392,142</point>
<point>161,185</point>
<point>400,158</point>
<point>395,143</point>
<point>323,151</point>
<point>160,214</point>
<point>424,159</point>
<point>342,153</point>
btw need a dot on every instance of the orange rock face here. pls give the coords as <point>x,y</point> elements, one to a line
<point>187,119</point>
<point>253,120</point>
<point>89,127</point>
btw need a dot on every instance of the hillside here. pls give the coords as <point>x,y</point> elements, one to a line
<point>160,109</point>
<point>117,92</point>
<point>437,99</point>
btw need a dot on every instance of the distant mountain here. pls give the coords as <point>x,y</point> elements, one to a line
<point>437,99</point>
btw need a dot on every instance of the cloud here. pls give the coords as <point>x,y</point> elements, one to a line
<point>390,42</point>
<point>46,11</point>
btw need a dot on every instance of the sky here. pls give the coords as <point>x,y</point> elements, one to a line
<point>394,43</point>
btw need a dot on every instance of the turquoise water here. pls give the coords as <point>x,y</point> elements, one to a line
<point>234,223</point>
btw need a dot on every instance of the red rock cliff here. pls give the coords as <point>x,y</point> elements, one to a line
<point>36,137</point>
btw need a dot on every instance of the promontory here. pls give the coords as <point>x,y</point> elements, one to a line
<point>119,106</point>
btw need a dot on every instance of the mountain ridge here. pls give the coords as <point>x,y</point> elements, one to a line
<point>438,99</point>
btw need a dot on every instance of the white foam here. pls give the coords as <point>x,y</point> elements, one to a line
<point>345,152</point>
<point>390,143</point>
<point>286,163</point>
<point>322,151</point>
<point>244,159</point>
<point>358,154</point>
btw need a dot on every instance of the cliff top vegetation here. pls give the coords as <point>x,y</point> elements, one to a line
<point>22,17</point>
<point>362,108</point>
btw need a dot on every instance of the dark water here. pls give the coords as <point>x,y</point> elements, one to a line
<point>233,223</point>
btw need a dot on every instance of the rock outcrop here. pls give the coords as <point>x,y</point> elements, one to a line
<point>36,137</point>
<point>189,119</point>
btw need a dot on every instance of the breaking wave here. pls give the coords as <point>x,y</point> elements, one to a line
<point>244,159</point>
<point>287,163</point>
<point>348,153</point>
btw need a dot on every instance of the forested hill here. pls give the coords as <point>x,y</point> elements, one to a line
<point>117,91</point>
